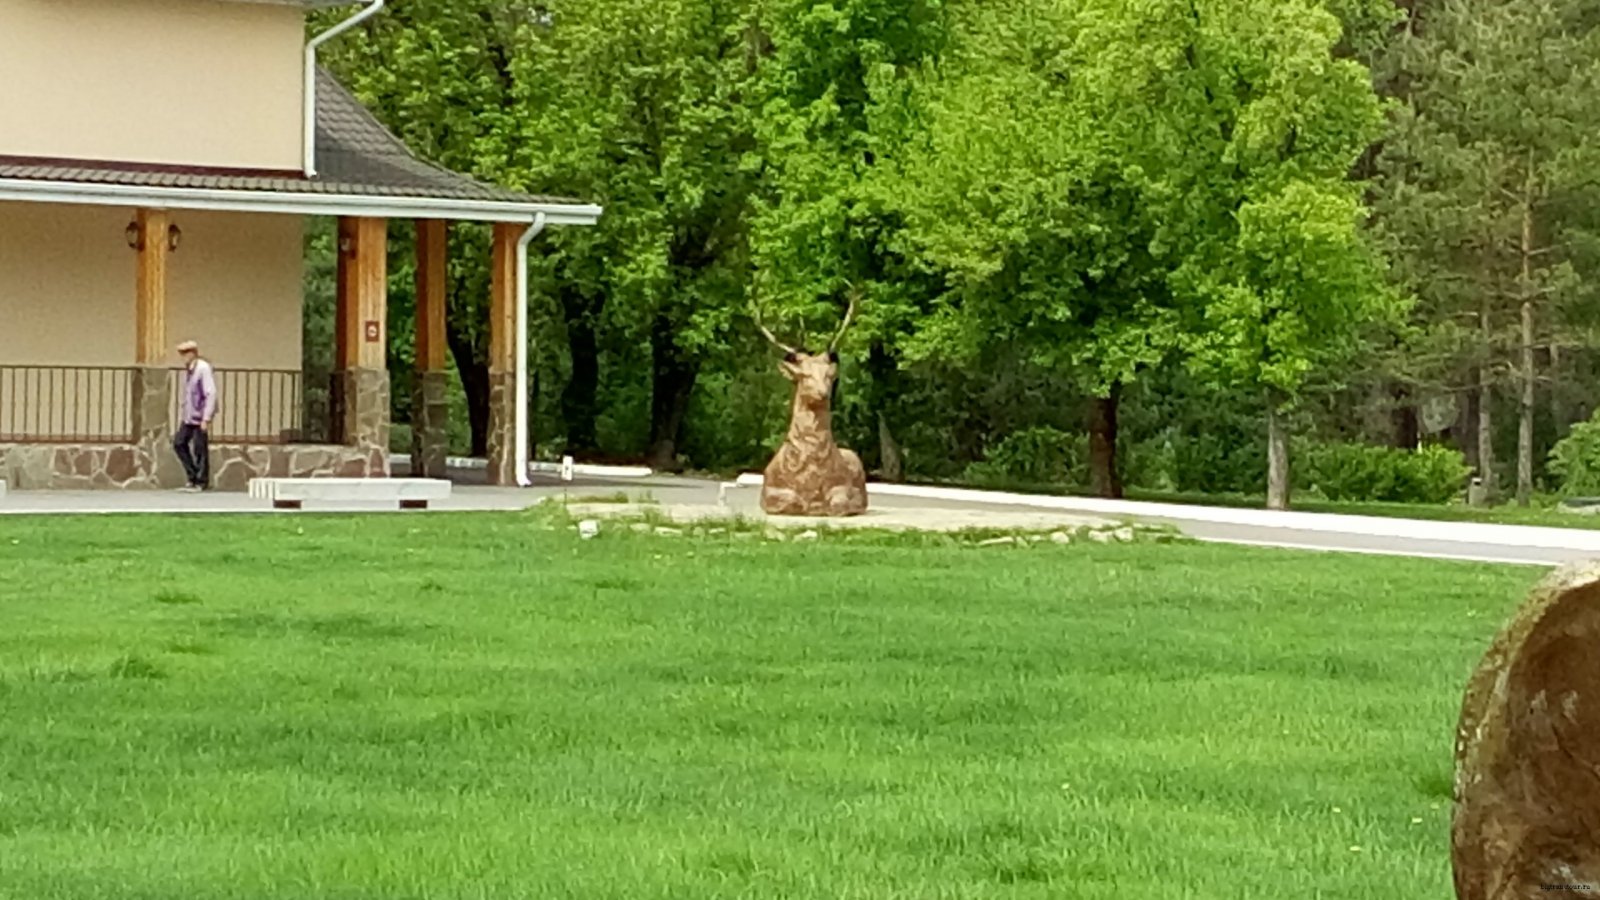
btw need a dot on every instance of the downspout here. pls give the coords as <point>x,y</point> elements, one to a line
<point>524,463</point>
<point>309,107</point>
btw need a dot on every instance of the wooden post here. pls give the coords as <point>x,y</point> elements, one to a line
<point>503,302</point>
<point>430,405</point>
<point>362,317</point>
<point>150,315</point>
<point>432,243</point>
<point>361,409</point>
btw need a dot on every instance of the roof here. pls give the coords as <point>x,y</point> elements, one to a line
<point>357,160</point>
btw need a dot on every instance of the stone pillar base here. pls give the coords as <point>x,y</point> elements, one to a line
<point>154,426</point>
<point>366,417</point>
<point>430,419</point>
<point>502,428</point>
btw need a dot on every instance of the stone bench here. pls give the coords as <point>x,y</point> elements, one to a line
<point>293,493</point>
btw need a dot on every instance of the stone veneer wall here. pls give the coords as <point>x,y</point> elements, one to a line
<point>67,467</point>
<point>150,463</point>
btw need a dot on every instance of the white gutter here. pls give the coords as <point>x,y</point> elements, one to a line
<point>524,478</point>
<point>300,204</point>
<point>309,121</point>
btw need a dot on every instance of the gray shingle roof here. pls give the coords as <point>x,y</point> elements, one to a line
<point>356,156</point>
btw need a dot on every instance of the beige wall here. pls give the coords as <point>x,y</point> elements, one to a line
<point>196,82</point>
<point>67,290</point>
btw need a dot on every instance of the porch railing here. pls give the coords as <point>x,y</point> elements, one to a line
<point>255,406</point>
<point>96,405</point>
<point>66,404</point>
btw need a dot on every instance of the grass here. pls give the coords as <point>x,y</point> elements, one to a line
<point>487,707</point>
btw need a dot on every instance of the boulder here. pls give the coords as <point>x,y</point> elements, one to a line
<point>1526,821</point>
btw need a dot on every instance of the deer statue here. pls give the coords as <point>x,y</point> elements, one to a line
<point>811,475</point>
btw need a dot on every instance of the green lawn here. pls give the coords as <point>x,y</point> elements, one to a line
<point>477,707</point>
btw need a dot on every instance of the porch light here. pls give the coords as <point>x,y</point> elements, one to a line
<point>135,236</point>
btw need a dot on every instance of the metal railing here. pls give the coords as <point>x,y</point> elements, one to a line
<point>254,406</point>
<point>66,404</point>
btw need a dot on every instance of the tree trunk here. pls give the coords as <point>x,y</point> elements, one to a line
<point>579,399</point>
<point>475,383</point>
<point>891,463</point>
<point>1525,421</point>
<point>884,373</point>
<point>1558,413</point>
<point>672,378</point>
<point>1277,455</point>
<point>1104,479</point>
<point>1466,430</point>
<point>1407,423</point>
<point>1486,435</point>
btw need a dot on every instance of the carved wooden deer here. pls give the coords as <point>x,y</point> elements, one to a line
<point>811,475</point>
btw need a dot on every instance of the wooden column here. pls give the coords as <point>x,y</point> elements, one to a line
<point>361,323</point>
<point>432,254</point>
<point>430,407</point>
<point>503,302</point>
<point>361,341</point>
<point>150,317</point>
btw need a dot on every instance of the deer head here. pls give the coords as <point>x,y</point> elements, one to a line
<point>813,374</point>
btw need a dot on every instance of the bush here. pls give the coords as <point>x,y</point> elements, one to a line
<point>1575,460</point>
<point>1033,456</point>
<point>1366,473</point>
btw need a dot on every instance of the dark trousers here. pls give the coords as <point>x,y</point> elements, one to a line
<point>194,451</point>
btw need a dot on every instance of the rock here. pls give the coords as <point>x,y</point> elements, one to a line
<point>641,528</point>
<point>588,529</point>
<point>669,532</point>
<point>1527,777</point>
<point>1125,535</point>
<point>998,542</point>
<point>1060,537</point>
<point>1100,537</point>
<point>806,536</point>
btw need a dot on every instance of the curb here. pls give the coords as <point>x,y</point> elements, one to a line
<point>1531,536</point>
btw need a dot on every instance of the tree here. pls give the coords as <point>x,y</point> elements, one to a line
<point>832,100</point>
<point>643,106</point>
<point>1045,226</point>
<point>1488,187</point>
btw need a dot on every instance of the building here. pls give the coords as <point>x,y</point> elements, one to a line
<point>159,160</point>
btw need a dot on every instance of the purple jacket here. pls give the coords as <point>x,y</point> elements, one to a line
<point>199,394</point>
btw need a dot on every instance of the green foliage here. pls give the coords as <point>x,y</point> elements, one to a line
<point>1575,460</point>
<point>1042,456</point>
<point>1361,472</point>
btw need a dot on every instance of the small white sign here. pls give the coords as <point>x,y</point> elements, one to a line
<point>566,468</point>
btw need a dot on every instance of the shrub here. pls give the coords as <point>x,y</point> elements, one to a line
<point>1575,460</point>
<point>1366,473</point>
<point>1228,462</point>
<point>1033,456</point>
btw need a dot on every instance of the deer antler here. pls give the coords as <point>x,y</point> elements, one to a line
<point>849,317</point>
<point>755,313</point>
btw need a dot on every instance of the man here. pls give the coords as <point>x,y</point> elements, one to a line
<point>198,405</point>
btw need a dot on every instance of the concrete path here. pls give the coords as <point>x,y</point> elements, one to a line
<point>946,508</point>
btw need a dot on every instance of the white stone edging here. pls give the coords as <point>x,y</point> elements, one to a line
<point>1542,537</point>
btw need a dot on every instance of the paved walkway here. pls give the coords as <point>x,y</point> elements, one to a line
<point>943,508</point>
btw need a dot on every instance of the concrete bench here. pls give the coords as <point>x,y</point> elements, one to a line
<point>293,493</point>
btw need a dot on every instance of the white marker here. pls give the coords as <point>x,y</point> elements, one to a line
<point>566,468</point>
